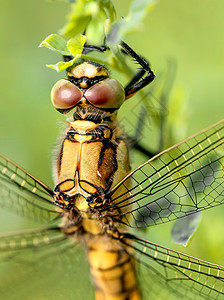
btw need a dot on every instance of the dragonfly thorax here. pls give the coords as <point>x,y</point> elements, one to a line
<point>92,158</point>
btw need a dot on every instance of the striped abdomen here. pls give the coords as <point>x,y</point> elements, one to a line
<point>112,269</point>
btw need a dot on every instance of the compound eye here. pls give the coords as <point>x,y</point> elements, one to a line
<point>65,94</point>
<point>108,93</point>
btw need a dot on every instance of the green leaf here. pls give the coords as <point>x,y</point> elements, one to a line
<point>108,7</point>
<point>133,22</point>
<point>87,16</point>
<point>75,26</point>
<point>61,65</point>
<point>56,43</point>
<point>78,19</point>
<point>75,45</point>
<point>96,26</point>
<point>184,228</point>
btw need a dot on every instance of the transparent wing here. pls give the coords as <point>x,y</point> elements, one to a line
<point>184,179</point>
<point>24,194</point>
<point>42,264</point>
<point>169,274</point>
<point>12,243</point>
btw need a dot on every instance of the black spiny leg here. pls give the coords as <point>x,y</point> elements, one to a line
<point>86,49</point>
<point>137,83</point>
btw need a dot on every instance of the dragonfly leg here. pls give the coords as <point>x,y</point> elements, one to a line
<point>137,83</point>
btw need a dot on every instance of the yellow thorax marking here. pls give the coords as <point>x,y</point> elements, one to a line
<point>82,138</point>
<point>83,126</point>
<point>87,69</point>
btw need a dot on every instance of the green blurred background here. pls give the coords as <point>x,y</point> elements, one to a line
<point>188,31</point>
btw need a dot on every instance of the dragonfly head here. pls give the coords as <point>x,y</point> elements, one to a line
<point>88,83</point>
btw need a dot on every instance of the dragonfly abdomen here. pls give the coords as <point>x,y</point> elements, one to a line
<point>112,270</point>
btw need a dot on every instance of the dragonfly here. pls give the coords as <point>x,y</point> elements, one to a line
<point>97,202</point>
